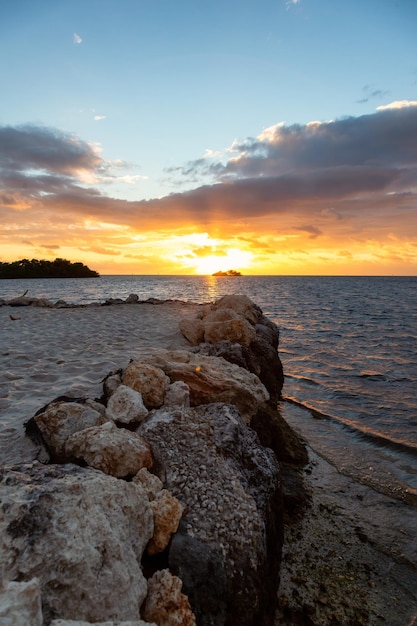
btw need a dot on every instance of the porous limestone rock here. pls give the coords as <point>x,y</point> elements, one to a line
<point>236,329</point>
<point>20,603</point>
<point>178,395</point>
<point>233,329</point>
<point>166,604</point>
<point>192,329</point>
<point>211,378</point>
<point>149,380</point>
<point>81,533</point>
<point>114,451</point>
<point>111,383</point>
<point>126,406</point>
<point>167,512</point>
<point>150,482</point>
<point>60,419</point>
<point>228,544</point>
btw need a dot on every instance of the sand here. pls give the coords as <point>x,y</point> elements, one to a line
<point>46,353</point>
<point>341,562</point>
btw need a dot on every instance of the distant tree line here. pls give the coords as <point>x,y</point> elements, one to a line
<point>60,268</point>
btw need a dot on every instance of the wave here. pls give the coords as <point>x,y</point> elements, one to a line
<point>373,436</point>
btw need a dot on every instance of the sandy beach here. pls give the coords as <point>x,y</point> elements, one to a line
<point>339,565</point>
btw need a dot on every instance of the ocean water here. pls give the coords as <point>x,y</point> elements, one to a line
<point>349,352</point>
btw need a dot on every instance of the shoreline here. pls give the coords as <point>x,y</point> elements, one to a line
<point>335,551</point>
<point>339,564</point>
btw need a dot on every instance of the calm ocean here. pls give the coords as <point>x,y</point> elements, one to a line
<point>349,351</point>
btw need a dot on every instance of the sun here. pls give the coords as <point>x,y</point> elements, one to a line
<point>231,258</point>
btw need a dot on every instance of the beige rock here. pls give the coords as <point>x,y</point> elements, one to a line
<point>165,604</point>
<point>150,381</point>
<point>151,483</point>
<point>112,450</point>
<point>82,533</point>
<point>223,314</point>
<point>178,395</point>
<point>242,305</point>
<point>192,329</point>
<point>235,330</point>
<point>126,406</point>
<point>62,419</point>
<point>20,604</point>
<point>212,379</point>
<point>167,512</point>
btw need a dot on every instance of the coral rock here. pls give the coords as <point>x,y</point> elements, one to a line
<point>150,381</point>
<point>151,483</point>
<point>213,379</point>
<point>82,533</point>
<point>167,512</point>
<point>126,406</point>
<point>112,450</point>
<point>165,604</point>
<point>60,420</point>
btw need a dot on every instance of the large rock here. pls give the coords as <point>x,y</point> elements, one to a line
<point>212,379</point>
<point>149,380</point>
<point>236,329</point>
<point>112,450</point>
<point>60,419</point>
<point>227,548</point>
<point>125,406</point>
<point>81,533</point>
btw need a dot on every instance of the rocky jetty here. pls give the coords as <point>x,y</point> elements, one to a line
<point>163,501</point>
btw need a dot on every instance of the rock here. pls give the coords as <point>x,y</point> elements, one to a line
<point>167,512</point>
<point>210,378</point>
<point>234,330</point>
<point>82,533</point>
<point>132,298</point>
<point>65,622</point>
<point>178,395</point>
<point>60,419</point>
<point>20,603</point>
<point>242,305</point>
<point>112,450</point>
<point>165,604</point>
<point>111,383</point>
<point>149,380</point>
<point>151,483</point>
<point>235,321</point>
<point>126,406</point>
<point>230,488</point>
<point>192,329</point>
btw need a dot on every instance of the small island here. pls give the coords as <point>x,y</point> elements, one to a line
<point>60,268</point>
<point>228,273</point>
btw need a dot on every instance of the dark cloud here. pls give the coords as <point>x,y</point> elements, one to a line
<point>29,147</point>
<point>350,169</point>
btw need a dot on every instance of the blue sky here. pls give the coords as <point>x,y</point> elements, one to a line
<point>152,87</point>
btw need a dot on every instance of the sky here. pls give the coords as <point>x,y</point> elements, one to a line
<point>159,137</point>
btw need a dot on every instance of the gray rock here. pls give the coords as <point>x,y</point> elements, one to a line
<point>81,533</point>
<point>227,549</point>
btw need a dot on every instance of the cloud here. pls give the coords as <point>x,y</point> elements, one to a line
<point>98,118</point>
<point>350,180</point>
<point>76,39</point>
<point>398,104</point>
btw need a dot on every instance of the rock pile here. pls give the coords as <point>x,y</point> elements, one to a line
<point>160,503</point>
